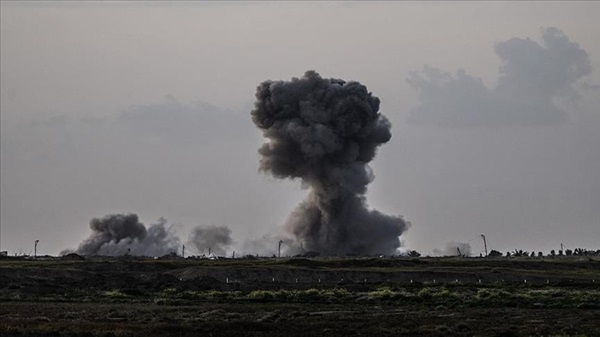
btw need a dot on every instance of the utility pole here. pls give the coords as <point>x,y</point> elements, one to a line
<point>35,248</point>
<point>279,249</point>
<point>183,251</point>
<point>484,244</point>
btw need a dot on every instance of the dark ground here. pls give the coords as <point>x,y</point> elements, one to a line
<point>300,297</point>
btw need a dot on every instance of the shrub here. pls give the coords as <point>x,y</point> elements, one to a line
<point>114,294</point>
<point>311,293</point>
<point>414,253</point>
<point>445,294</point>
<point>261,295</point>
<point>494,253</point>
<point>424,294</point>
<point>167,293</point>
<point>385,293</point>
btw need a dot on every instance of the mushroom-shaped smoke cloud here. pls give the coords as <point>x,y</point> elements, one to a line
<point>325,132</point>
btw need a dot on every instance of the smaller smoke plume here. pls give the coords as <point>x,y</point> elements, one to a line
<point>217,238</point>
<point>452,249</point>
<point>119,234</point>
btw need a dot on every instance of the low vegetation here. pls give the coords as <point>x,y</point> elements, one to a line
<point>450,296</point>
<point>300,296</point>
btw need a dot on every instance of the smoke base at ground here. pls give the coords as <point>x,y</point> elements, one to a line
<point>124,234</point>
<point>120,234</point>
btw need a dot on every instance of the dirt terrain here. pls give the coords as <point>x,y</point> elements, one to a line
<point>298,297</point>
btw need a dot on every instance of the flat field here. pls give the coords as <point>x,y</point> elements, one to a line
<point>300,297</point>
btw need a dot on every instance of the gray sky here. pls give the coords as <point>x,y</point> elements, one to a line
<point>144,107</point>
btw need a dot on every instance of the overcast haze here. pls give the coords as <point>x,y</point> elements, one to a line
<point>145,108</point>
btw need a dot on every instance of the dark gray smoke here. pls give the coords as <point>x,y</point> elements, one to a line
<point>325,132</point>
<point>119,234</point>
<point>217,238</point>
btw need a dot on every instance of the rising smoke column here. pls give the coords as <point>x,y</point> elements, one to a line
<point>118,234</point>
<point>325,132</point>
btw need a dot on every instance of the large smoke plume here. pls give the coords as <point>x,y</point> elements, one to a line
<point>325,132</point>
<point>119,234</point>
